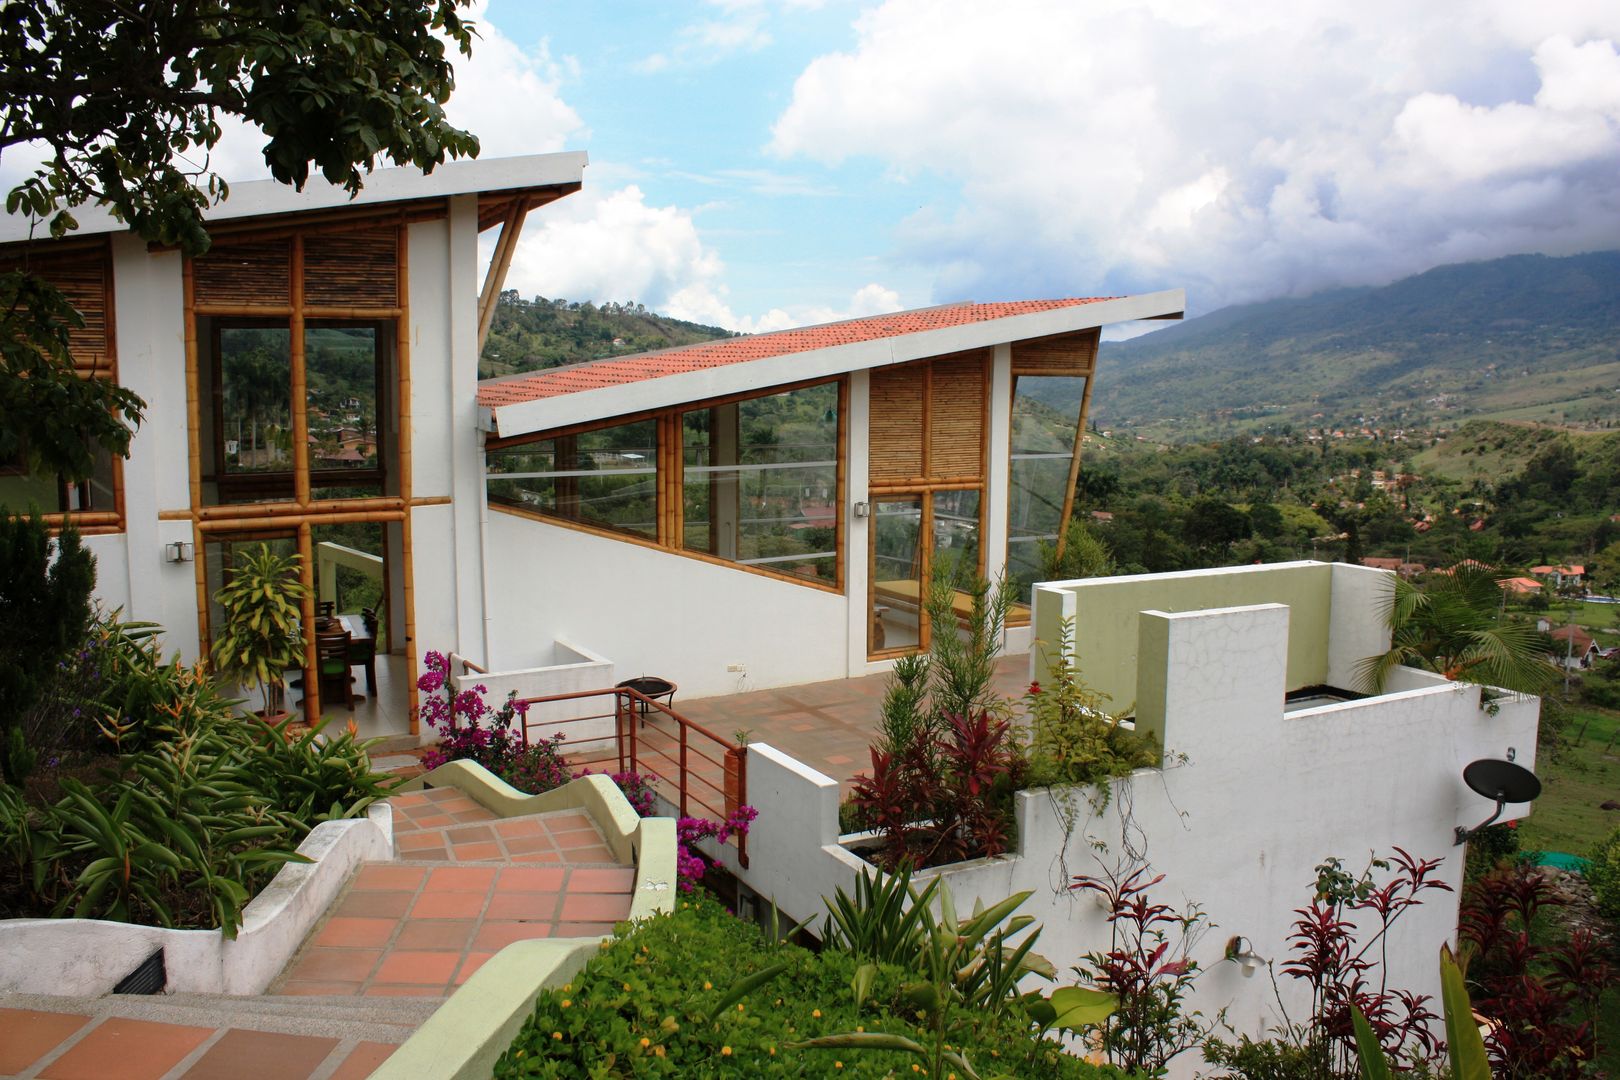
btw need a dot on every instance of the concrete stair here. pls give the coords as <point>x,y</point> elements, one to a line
<point>374,1019</point>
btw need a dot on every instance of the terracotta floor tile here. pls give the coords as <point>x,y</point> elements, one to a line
<point>561,822</point>
<point>435,852</point>
<point>519,827</point>
<point>336,965</point>
<point>569,840</point>
<point>418,968</point>
<point>595,907</point>
<point>347,932</point>
<point>314,988</point>
<point>539,857</point>
<point>525,845</point>
<point>29,1034</point>
<point>473,962</point>
<point>374,905</point>
<point>460,905</point>
<point>452,934</point>
<point>470,833</point>
<point>261,1055</point>
<point>584,930</point>
<point>384,876</point>
<point>522,905</point>
<point>433,821</point>
<point>460,879</point>
<point>483,852</point>
<point>141,1050</point>
<point>410,843</point>
<point>589,855</point>
<point>472,816</point>
<point>526,879</point>
<point>363,1061</point>
<point>603,880</point>
<point>494,936</point>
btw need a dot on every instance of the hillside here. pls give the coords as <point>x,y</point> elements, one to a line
<point>542,333</point>
<point>1528,338</point>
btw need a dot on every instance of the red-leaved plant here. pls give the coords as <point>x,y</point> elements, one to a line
<point>1542,999</point>
<point>1342,970</point>
<point>944,803</point>
<point>1149,972</point>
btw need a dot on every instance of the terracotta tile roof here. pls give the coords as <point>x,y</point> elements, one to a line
<point>620,370</point>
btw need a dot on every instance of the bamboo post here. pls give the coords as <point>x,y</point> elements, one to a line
<point>498,265</point>
<point>1074,461</point>
<point>300,385</point>
<point>312,674</point>
<point>194,448</point>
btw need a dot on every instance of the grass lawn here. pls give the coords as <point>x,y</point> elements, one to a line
<point>1588,616</point>
<point>1567,816</point>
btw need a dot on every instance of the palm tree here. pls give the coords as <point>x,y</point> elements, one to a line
<point>1455,628</point>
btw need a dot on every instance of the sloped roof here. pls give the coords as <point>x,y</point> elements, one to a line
<point>595,389</point>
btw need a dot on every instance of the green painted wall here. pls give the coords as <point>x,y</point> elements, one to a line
<point>1106,622</point>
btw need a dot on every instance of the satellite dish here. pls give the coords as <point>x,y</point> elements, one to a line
<point>1501,781</point>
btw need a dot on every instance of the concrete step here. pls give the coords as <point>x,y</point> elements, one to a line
<point>388,1020</point>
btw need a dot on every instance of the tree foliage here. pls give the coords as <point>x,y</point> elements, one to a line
<point>127,101</point>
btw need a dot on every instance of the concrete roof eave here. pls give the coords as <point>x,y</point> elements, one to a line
<point>268,198</point>
<point>586,406</point>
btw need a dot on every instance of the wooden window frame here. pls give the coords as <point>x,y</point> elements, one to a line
<point>670,480</point>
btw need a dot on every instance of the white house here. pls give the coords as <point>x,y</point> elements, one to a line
<point>757,511</point>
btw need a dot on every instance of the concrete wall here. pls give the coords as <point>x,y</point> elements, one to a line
<point>655,612</point>
<point>560,668</point>
<point>1251,801</point>
<point>1336,618</point>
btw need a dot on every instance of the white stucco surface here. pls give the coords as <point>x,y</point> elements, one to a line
<point>655,612</point>
<point>1251,800</point>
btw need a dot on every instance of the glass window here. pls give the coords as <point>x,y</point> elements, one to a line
<point>897,574</point>
<point>342,365</point>
<point>606,477</point>
<point>1045,414</point>
<point>22,491</point>
<point>255,365</point>
<point>760,482</point>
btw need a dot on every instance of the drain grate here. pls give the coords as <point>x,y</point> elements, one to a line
<point>149,978</point>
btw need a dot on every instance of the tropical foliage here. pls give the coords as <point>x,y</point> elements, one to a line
<point>261,634</point>
<point>1453,627</point>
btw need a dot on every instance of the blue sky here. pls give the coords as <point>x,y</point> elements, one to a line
<point>761,163</point>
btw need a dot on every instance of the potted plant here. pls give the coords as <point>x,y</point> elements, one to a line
<point>262,632</point>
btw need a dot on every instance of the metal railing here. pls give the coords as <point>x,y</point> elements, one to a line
<point>699,773</point>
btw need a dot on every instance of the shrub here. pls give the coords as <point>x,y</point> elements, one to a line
<point>189,820</point>
<point>1603,874</point>
<point>650,1004</point>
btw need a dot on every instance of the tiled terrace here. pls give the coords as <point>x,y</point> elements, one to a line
<point>826,725</point>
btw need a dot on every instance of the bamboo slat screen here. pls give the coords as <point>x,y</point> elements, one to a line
<point>245,275</point>
<point>947,394</point>
<point>352,270</point>
<point>956,416</point>
<point>1062,354</point>
<point>85,278</point>
<point>896,446</point>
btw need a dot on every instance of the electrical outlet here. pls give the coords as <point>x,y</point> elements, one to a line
<point>736,667</point>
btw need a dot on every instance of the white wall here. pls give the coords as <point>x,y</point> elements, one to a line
<point>654,612</point>
<point>1237,826</point>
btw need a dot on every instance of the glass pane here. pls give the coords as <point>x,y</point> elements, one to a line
<point>255,366</point>
<point>759,482</point>
<point>22,491</point>
<point>896,574</point>
<point>340,369</point>
<point>220,555</point>
<point>956,535</point>
<point>1046,412</point>
<point>349,575</point>
<point>605,478</point>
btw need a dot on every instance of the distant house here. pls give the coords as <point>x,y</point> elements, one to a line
<point>1408,570</point>
<point>1561,577</point>
<point>1573,648</point>
<point>1520,587</point>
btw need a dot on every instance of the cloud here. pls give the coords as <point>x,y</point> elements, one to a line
<point>1244,151</point>
<point>606,245</point>
<point>737,27</point>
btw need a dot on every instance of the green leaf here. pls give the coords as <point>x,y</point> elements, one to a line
<point>1466,1045</point>
<point>860,1040</point>
<point>743,987</point>
<point>861,983</point>
<point>1077,1007</point>
<point>1374,1065</point>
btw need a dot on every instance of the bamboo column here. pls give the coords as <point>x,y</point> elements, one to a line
<point>300,385</point>
<point>1074,461</point>
<point>194,449</point>
<point>403,411</point>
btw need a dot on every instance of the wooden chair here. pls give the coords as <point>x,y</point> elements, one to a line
<point>332,666</point>
<point>364,651</point>
<point>325,609</point>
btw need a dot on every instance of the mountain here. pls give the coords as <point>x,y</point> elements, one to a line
<point>541,333</point>
<point>1524,338</point>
